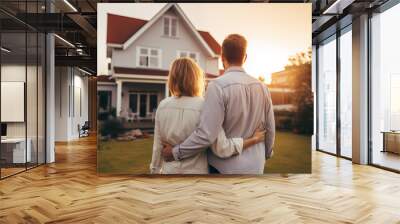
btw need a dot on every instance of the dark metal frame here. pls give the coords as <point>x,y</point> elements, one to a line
<point>369,89</point>
<point>338,97</point>
<point>387,5</point>
<point>316,96</point>
<point>337,35</point>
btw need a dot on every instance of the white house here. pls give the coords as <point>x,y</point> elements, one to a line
<point>141,53</point>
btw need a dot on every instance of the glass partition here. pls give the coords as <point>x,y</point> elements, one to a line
<point>346,93</point>
<point>327,96</point>
<point>14,150</point>
<point>385,89</point>
<point>22,88</point>
<point>31,97</point>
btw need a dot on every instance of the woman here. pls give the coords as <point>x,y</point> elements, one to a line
<point>177,117</point>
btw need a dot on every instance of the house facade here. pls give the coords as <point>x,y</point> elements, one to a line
<point>281,89</point>
<point>140,53</point>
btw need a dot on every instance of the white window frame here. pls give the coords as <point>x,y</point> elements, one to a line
<point>179,52</point>
<point>138,103</point>
<point>149,49</point>
<point>170,26</point>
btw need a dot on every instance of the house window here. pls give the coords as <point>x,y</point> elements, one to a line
<point>133,102</point>
<point>109,63</point>
<point>193,55</point>
<point>153,102</point>
<point>104,103</point>
<point>149,57</point>
<point>143,105</point>
<point>170,27</point>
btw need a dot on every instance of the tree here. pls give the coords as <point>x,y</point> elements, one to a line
<point>302,96</point>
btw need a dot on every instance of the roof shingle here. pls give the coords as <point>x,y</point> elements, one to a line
<point>121,28</point>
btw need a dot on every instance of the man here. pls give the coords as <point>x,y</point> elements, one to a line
<point>238,103</point>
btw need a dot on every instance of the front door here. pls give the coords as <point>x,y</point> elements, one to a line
<point>143,105</point>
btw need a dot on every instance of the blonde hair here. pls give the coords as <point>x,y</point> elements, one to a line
<point>185,78</point>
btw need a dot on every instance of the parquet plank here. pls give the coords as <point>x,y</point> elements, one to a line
<point>70,191</point>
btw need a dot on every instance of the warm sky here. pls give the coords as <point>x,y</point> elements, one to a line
<point>273,31</point>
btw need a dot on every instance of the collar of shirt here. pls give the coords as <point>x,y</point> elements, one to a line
<point>234,69</point>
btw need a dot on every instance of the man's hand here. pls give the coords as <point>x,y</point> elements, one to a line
<point>167,152</point>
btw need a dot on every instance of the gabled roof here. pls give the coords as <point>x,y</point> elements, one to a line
<point>121,28</point>
<point>122,31</point>
<point>214,45</point>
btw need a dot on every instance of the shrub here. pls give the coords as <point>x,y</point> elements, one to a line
<point>112,127</point>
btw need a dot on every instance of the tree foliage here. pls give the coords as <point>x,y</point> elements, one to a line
<point>302,96</point>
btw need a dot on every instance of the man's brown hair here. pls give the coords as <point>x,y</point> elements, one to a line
<point>234,49</point>
<point>185,78</point>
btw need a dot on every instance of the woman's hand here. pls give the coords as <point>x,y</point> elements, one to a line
<point>259,135</point>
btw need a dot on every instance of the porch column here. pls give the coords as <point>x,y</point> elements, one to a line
<point>119,98</point>
<point>166,90</point>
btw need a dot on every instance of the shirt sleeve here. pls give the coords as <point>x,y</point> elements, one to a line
<point>225,148</point>
<point>156,159</point>
<point>269,126</point>
<point>211,119</point>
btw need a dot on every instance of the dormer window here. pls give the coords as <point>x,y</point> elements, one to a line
<point>192,55</point>
<point>148,57</point>
<point>170,26</point>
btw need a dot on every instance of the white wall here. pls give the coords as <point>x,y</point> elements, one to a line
<point>62,81</point>
<point>153,37</point>
<point>12,73</point>
<point>71,103</point>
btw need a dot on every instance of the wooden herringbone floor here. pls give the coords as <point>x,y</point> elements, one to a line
<point>69,191</point>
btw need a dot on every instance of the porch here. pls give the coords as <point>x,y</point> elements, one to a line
<point>137,101</point>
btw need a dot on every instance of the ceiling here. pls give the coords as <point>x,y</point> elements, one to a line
<point>76,21</point>
<point>331,15</point>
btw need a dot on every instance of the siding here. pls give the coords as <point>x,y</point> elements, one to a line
<point>153,37</point>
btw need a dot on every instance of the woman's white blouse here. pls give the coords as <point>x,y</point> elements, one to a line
<point>176,118</point>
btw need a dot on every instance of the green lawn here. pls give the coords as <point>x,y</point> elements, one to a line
<point>292,154</point>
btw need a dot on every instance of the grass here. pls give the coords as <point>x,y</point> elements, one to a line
<point>292,154</point>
